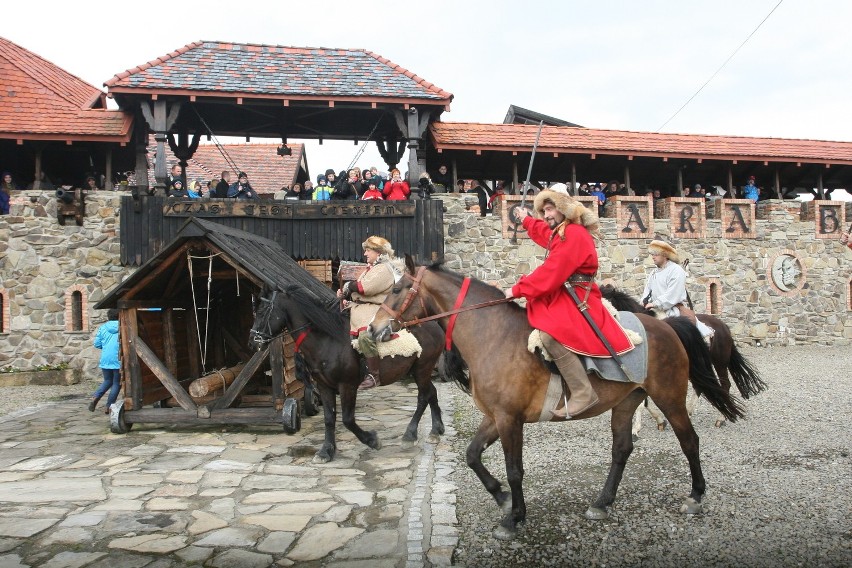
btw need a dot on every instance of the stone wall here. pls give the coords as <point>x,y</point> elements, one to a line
<point>737,271</point>
<point>43,263</point>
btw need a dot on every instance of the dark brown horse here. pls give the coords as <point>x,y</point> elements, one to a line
<point>727,360</point>
<point>322,332</point>
<point>508,383</point>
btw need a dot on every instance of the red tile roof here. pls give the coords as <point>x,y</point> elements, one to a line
<point>562,139</point>
<point>212,68</point>
<point>267,171</point>
<point>40,101</point>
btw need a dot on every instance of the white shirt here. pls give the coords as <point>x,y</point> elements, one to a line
<point>667,286</point>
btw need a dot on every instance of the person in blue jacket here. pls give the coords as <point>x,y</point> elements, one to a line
<point>106,339</point>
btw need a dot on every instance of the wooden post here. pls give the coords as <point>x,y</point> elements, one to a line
<point>108,182</point>
<point>169,340</point>
<point>627,180</point>
<point>515,180</point>
<point>455,175</point>
<point>679,192</point>
<point>820,189</point>
<point>37,182</point>
<point>731,193</point>
<point>276,367</point>
<point>778,184</point>
<point>413,145</point>
<point>132,379</point>
<point>162,373</point>
<point>573,178</point>
<point>192,345</point>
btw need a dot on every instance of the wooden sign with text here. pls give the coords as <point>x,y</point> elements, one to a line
<point>287,210</point>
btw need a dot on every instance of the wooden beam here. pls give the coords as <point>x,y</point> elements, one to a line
<point>162,373</point>
<point>169,343</point>
<point>262,415</point>
<point>276,366</point>
<point>146,280</point>
<point>240,350</point>
<point>129,335</point>
<point>240,382</point>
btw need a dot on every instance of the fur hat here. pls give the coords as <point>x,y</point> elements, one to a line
<point>560,187</point>
<point>378,244</point>
<point>573,210</point>
<point>665,249</point>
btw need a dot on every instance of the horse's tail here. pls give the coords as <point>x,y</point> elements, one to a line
<point>455,368</point>
<point>745,376</point>
<point>701,374</point>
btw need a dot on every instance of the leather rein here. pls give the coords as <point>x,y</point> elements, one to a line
<point>396,315</point>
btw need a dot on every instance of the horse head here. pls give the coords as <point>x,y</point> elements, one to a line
<point>270,319</point>
<point>400,308</point>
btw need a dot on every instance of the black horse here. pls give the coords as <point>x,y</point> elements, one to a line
<point>321,331</point>
<point>723,352</point>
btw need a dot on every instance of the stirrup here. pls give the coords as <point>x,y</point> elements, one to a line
<point>369,382</point>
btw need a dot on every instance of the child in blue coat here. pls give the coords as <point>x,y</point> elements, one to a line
<point>106,339</point>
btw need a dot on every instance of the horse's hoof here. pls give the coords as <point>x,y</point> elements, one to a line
<point>692,507</point>
<point>596,514</point>
<point>502,533</point>
<point>433,439</point>
<point>406,444</point>
<point>375,443</point>
<point>321,458</point>
<point>662,426</point>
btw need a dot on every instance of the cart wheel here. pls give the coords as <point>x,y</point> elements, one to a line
<point>117,424</point>
<point>312,401</point>
<point>290,416</point>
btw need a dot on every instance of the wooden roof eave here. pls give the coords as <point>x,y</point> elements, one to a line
<point>644,153</point>
<point>155,93</point>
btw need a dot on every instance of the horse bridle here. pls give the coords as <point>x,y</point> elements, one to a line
<point>396,315</point>
<point>264,337</point>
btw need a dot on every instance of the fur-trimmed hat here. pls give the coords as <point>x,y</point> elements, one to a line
<point>560,187</point>
<point>573,210</point>
<point>665,249</point>
<point>378,244</point>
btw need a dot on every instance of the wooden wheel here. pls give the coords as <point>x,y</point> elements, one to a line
<point>290,417</point>
<point>117,424</point>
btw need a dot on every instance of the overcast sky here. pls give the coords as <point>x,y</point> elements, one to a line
<point>626,65</point>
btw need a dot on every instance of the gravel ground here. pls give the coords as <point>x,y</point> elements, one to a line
<point>779,484</point>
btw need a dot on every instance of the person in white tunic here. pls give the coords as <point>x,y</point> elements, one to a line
<point>665,290</point>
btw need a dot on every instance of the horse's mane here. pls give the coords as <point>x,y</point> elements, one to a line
<point>323,314</point>
<point>622,301</point>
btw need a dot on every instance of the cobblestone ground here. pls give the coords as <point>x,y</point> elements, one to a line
<point>73,494</point>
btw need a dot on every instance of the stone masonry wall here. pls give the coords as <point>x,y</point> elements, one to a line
<point>820,312</point>
<point>42,263</point>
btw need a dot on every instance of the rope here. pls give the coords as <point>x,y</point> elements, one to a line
<point>228,160</point>
<point>201,347</point>
<point>363,146</point>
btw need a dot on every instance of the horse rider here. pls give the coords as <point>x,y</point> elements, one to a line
<point>665,290</point>
<point>566,229</point>
<point>364,296</point>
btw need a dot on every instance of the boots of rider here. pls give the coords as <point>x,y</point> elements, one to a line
<point>583,396</point>
<point>371,379</point>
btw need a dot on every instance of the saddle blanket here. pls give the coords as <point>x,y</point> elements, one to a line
<point>635,360</point>
<point>403,344</point>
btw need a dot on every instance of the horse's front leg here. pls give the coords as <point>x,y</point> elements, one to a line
<point>348,394</point>
<point>485,435</point>
<point>426,395</point>
<point>622,447</point>
<point>329,405</point>
<point>511,430</point>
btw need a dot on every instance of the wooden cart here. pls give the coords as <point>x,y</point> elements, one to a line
<point>186,314</point>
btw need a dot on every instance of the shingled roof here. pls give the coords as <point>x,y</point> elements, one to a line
<point>267,171</point>
<point>40,101</point>
<point>262,259</point>
<point>520,138</point>
<point>212,68</point>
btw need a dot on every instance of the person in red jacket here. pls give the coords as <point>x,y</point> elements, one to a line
<point>566,228</point>
<point>396,189</point>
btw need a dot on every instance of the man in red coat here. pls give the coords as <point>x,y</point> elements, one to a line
<point>565,229</point>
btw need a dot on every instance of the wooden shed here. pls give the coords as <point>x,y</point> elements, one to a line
<point>186,315</point>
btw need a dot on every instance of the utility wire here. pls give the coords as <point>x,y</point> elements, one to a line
<point>231,164</point>
<point>721,66</point>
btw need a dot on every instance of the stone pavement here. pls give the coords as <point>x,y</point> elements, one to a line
<point>73,494</point>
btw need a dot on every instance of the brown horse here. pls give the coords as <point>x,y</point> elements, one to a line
<point>727,360</point>
<point>322,333</point>
<point>508,383</point>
